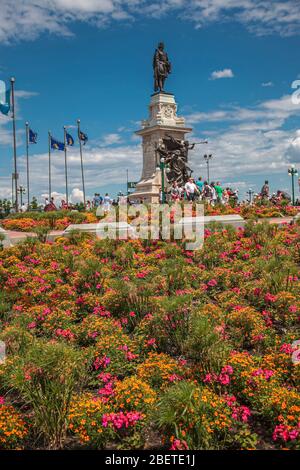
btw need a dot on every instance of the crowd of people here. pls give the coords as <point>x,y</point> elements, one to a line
<point>275,198</point>
<point>210,192</point>
<point>200,190</point>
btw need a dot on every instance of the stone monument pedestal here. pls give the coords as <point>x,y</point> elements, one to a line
<point>162,121</point>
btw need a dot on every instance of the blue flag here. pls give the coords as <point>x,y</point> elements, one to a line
<point>5,105</point>
<point>83,137</point>
<point>56,145</point>
<point>69,139</point>
<point>32,137</point>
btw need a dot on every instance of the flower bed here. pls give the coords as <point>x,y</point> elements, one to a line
<point>60,220</point>
<point>135,339</point>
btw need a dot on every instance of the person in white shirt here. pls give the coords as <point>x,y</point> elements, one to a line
<point>190,189</point>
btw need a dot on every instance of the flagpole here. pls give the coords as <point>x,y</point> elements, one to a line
<point>27,162</point>
<point>12,82</point>
<point>81,161</point>
<point>12,190</point>
<point>49,152</point>
<point>66,167</point>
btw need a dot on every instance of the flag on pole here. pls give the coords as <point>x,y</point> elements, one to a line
<point>5,104</point>
<point>83,137</point>
<point>56,145</point>
<point>32,137</point>
<point>69,139</point>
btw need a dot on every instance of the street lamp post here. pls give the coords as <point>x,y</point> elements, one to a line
<point>162,169</point>
<point>22,191</point>
<point>250,192</point>
<point>292,171</point>
<point>207,158</point>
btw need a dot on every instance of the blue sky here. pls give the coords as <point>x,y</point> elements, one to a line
<point>233,66</point>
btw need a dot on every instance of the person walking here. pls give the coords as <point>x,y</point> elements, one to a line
<point>214,196</point>
<point>190,189</point>
<point>175,192</point>
<point>199,184</point>
<point>106,203</point>
<point>219,192</point>
<point>265,190</point>
<point>207,192</point>
<point>225,196</point>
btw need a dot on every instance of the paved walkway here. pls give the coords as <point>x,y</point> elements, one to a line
<point>16,237</point>
<point>276,220</point>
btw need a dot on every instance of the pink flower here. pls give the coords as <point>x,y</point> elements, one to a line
<point>270,298</point>
<point>174,377</point>
<point>151,342</point>
<point>293,308</point>
<point>31,325</point>
<point>121,420</point>
<point>101,362</point>
<point>241,413</point>
<point>224,379</point>
<point>286,348</point>
<point>228,370</point>
<point>212,283</point>
<point>179,445</point>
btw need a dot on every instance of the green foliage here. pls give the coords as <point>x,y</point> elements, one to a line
<point>203,345</point>
<point>46,375</point>
<point>41,233</point>
<point>2,238</point>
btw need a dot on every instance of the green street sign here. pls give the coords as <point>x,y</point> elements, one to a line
<point>132,184</point>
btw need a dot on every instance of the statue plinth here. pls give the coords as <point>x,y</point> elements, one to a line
<point>162,121</point>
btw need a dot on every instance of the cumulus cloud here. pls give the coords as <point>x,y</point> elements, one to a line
<point>27,19</point>
<point>225,73</point>
<point>293,150</point>
<point>102,167</point>
<point>255,140</point>
<point>111,139</point>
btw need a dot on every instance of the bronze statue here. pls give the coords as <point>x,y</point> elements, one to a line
<point>161,66</point>
<point>175,153</point>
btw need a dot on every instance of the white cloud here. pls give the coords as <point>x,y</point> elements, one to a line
<point>255,140</point>
<point>225,73</point>
<point>111,139</point>
<point>293,150</point>
<point>103,166</point>
<point>267,84</point>
<point>27,19</point>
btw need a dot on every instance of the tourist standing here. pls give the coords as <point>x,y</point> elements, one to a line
<point>225,196</point>
<point>219,191</point>
<point>199,185</point>
<point>213,194</point>
<point>175,192</point>
<point>106,203</point>
<point>190,190</point>
<point>265,190</point>
<point>207,192</point>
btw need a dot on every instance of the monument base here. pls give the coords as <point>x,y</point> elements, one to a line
<point>148,189</point>
<point>161,123</point>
